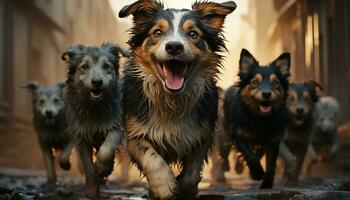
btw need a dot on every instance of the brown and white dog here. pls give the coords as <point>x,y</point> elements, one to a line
<point>169,93</point>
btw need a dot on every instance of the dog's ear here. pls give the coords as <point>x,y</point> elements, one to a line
<point>31,86</point>
<point>213,14</point>
<point>71,52</point>
<point>283,64</point>
<point>246,61</point>
<point>142,10</point>
<point>316,89</point>
<point>118,52</point>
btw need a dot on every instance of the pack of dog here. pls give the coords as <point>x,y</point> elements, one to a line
<point>173,67</point>
<point>301,101</point>
<point>50,124</point>
<point>93,108</point>
<point>166,104</point>
<point>255,113</point>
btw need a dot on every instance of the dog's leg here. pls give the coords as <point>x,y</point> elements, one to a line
<point>50,166</point>
<point>65,155</point>
<point>106,153</point>
<point>300,160</point>
<point>290,167</point>
<point>190,175</point>
<point>161,179</point>
<point>271,158</point>
<point>334,147</point>
<point>313,156</point>
<point>91,178</point>
<point>255,168</point>
<point>218,167</point>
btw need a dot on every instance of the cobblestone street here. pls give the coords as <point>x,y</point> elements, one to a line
<point>29,185</point>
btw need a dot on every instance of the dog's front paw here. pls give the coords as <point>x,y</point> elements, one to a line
<point>104,169</point>
<point>256,170</point>
<point>92,192</point>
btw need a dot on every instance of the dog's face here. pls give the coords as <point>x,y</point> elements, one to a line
<point>47,100</point>
<point>263,88</point>
<point>94,69</point>
<point>301,100</point>
<point>177,45</point>
<point>327,115</point>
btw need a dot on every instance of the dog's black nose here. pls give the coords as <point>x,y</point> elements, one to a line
<point>96,82</point>
<point>300,111</point>
<point>266,95</point>
<point>48,113</point>
<point>174,48</point>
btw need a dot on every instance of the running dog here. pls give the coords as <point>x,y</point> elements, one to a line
<point>49,121</point>
<point>255,112</point>
<point>93,108</point>
<point>325,138</point>
<point>169,93</point>
<point>301,101</point>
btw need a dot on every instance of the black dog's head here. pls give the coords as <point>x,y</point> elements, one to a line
<point>47,100</point>
<point>174,46</point>
<point>301,101</point>
<point>93,70</point>
<point>263,88</point>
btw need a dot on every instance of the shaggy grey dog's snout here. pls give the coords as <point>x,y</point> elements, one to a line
<point>97,83</point>
<point>49,113</point>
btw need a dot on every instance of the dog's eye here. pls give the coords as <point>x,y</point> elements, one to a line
<point>85,67</point>
<point>106,67</point>
<point>41,101</point>
<point>291,98</point>
<point>157,33</point>
<point>275,83</point>
<point>56,101</point>
<point>193,34</point>
<point>255,83</point>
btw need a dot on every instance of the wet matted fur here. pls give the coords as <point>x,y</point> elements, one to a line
<point>93,107</point>
<point>301,100</point>
<point>255,112</point>
<point>50,124</point>
<point>169,92</point>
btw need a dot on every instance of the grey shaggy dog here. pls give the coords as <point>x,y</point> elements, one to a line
<point>325,139</point>
<point>93,108</point>
<point>50,124</point>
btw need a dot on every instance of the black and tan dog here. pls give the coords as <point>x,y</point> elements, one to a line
<point>93,108</point>
<point>301,101</point>
<point>50,124</point>
<point>169,92</point>
<point>255,112</point>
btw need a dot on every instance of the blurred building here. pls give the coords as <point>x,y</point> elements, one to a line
<point>33,35</point>
<point>317,33</point>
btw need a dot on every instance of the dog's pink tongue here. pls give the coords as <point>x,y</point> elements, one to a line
<point>173,81</point>
<point>265,109</point>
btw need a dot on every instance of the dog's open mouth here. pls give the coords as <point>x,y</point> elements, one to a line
<point>298,119</point>
<point>174,74</point>
<point>265,107</point>
<point>96,94</point>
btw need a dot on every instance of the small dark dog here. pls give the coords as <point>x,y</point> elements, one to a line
<point>255,112</point>
<point>301,101</point>
<point>93,108</point>
<point>325,138</point>
<point>49,121</point>
<point>169,92</point>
